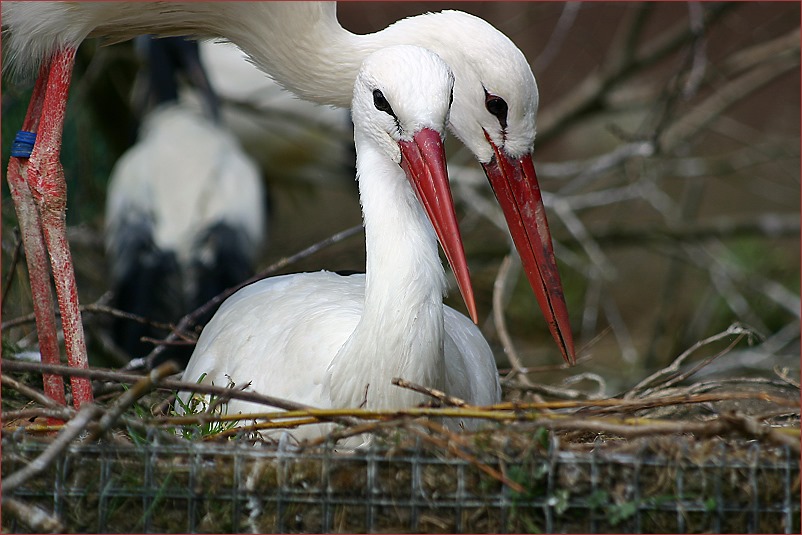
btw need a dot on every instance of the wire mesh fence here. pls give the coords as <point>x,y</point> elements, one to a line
<point>654,484</point>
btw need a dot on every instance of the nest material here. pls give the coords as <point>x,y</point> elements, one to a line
<point>650,484</point>
<point>666,456</point>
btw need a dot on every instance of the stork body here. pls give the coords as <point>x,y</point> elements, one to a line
<point>303,47</point>
<point>337,341</point>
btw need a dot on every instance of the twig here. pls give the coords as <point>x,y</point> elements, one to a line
<point>93,308</point>
<point>32,516</point>
<point>602,267</point>
<point>12,268</point>
<point>450,445</point>
<point>782,373</point>
<point>184,340</point>
<point>372,427</point>
<point>500,322</point>
<point>500,412</point>
<point>139,389</point>
<point>630,405</point>
<point>590,93</point>
<point>431,392</point>
<point>706,386</point>
<point>567,393</point>
<point>620,330</point>
<point>747,58</point>
<point>555,392</point>
<point>699,66</point>
<point>64,413</point>
<point>561,30</point>
<point>723,227</point>
<point>713,106</point>
<point>262,426</point>
<point>169,384</point>
<point>673,368</point>
<point>71,430</point>
<point>31,393</point>
<point>638,427</point>
<point>751,426</point>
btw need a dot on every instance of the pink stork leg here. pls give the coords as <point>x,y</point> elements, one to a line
<point>35,252</point>
<point>49,190</point>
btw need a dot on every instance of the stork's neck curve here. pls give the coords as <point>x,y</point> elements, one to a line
<point>304,47</point>
<point>400,333</point>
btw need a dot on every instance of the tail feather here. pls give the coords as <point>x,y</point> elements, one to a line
<point>223,259</point>
<point>147,282</point>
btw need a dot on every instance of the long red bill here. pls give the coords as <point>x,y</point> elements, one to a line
<point>424,161</point>
<point>515,184</point>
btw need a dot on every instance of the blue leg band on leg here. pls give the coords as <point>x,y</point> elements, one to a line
<point>23,144</point>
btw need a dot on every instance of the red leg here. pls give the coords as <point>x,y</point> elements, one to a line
<point>46,179</point>
<point>35,252</point>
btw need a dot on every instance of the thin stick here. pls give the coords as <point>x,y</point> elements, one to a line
<point>431,392</point>
<point>70,431</point>
<point>372,427</point>
<point>169,384</point>
<point>38,412</point>
<point>32,516</point>
<point>501,323</point>
<point>673,368</point>
<point>139,389</point>
<point>31,393</point>
<point>450,445</point>
<point>96,308</point>
<point>12,268</point>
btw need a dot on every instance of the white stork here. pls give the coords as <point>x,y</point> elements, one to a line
<point>327,340</point>
<point>302,46</point>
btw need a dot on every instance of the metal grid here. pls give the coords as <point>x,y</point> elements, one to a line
<point>711,486</point>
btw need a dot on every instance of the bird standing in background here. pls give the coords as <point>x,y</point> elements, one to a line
<point>185,210</point>
<point>296,142</point>
<point>328,340</point>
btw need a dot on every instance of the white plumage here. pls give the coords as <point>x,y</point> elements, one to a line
<point>302,45</point>
<point>332,341</point>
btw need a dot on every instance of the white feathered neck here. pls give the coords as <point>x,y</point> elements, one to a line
<point>401,329</point>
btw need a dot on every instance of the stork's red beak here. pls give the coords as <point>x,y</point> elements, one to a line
<point>515,184</point>
<point>424,161</point>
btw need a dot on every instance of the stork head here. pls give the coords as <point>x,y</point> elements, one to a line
<point>402,97</point>
<point>494,115</point>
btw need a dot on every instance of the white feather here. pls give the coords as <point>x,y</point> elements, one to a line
<point>302,45</point>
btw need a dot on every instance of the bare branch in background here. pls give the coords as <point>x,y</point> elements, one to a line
<point>557,37</point>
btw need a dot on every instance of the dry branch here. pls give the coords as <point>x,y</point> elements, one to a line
<point>712,107</point>
<point>623,61</point>
<point>34,517</point>
<point>451,442</point>
<point>431,392</point>
<point>12,268</point>
<point>70,431</point>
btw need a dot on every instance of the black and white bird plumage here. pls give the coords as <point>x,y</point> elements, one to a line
<point>185,210</point>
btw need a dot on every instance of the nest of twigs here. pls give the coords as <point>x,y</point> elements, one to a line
<point>547,459</point>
